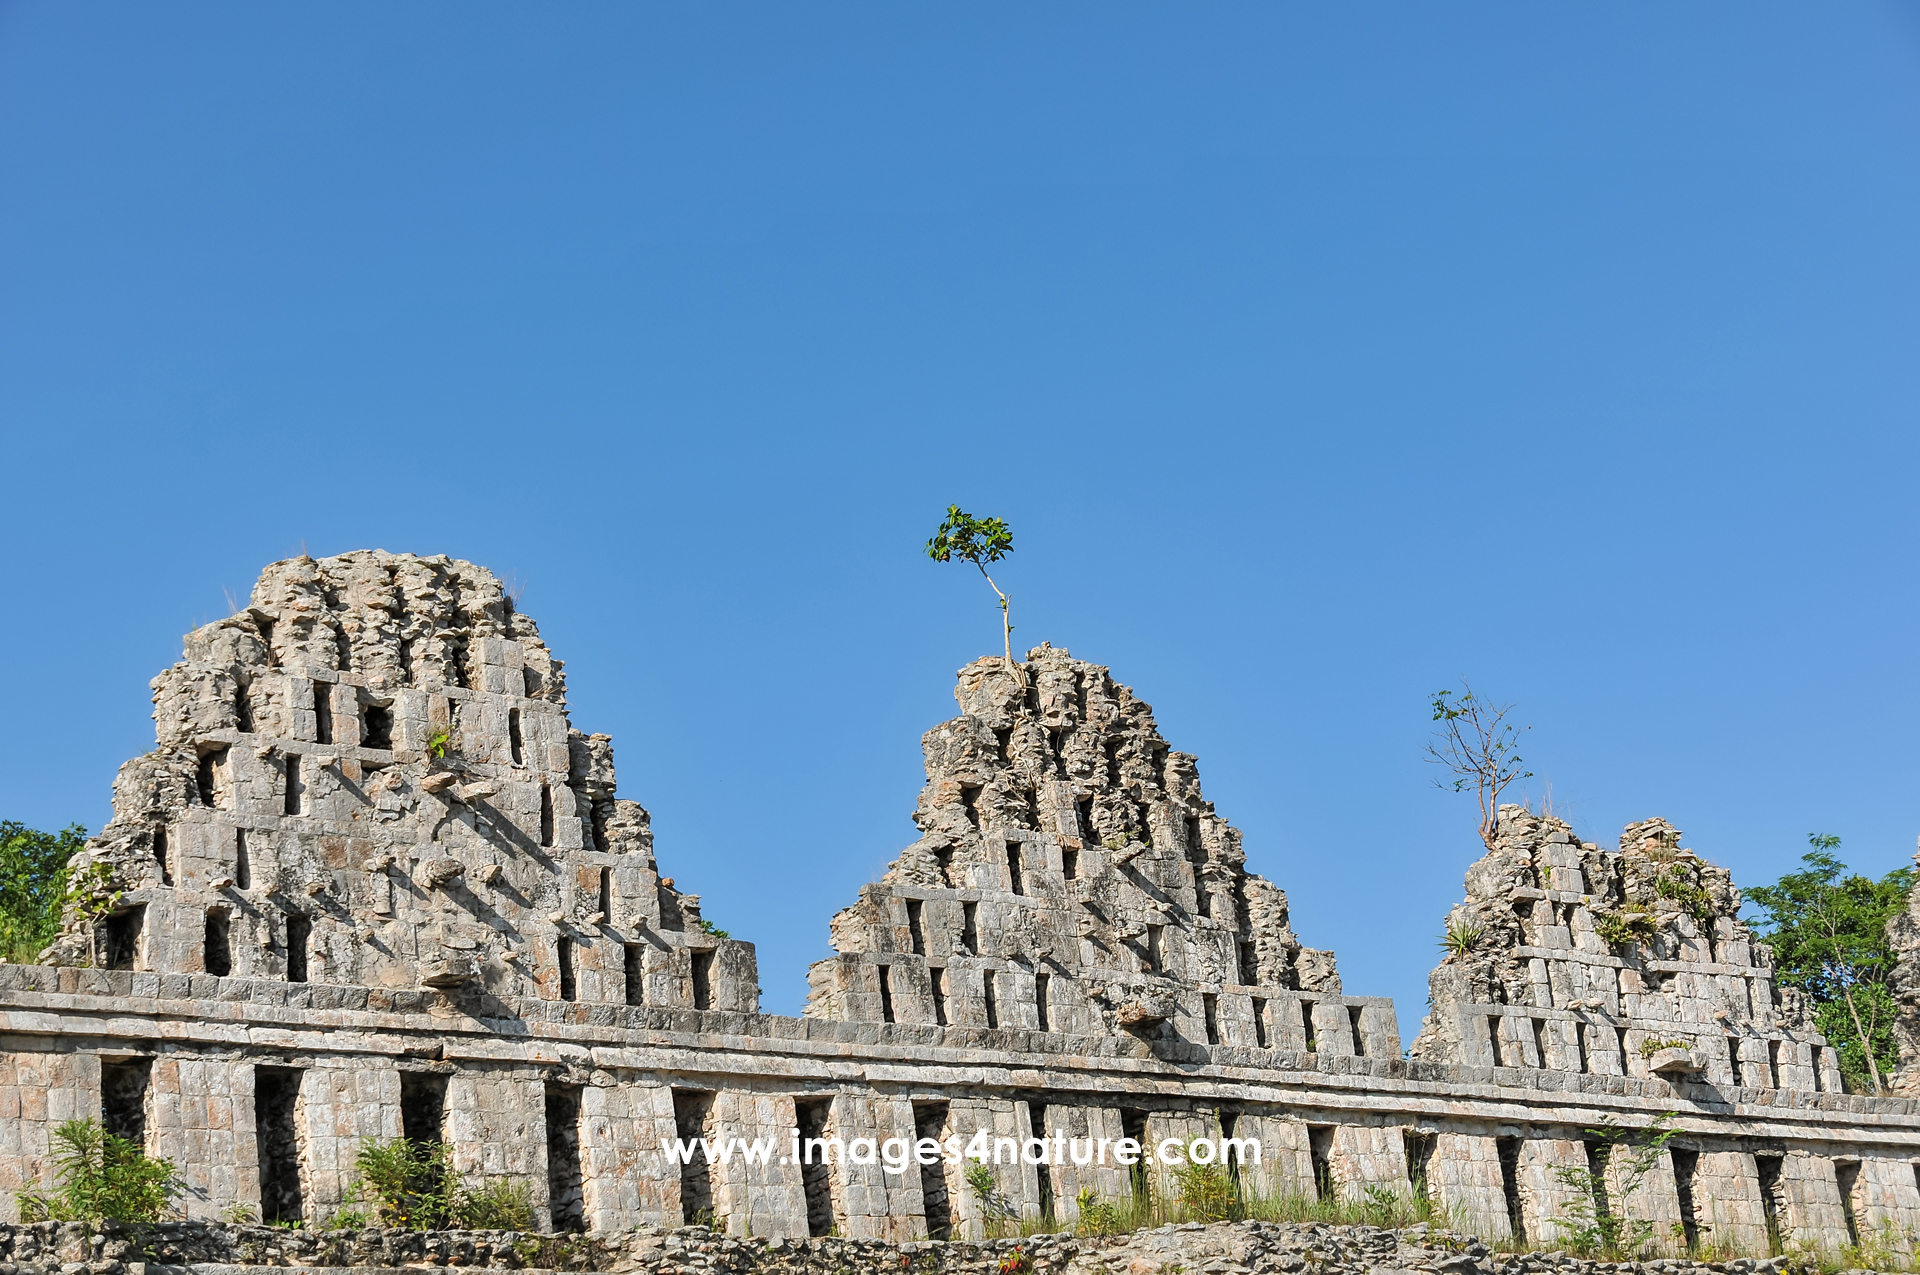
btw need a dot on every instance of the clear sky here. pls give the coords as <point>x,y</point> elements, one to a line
<point>1318,354</point>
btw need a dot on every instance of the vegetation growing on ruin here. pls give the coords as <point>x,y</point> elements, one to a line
<point>1828,932</point>
<point>1597,1219</point>
<point>413,1185</point>
<point>101,1177</point>
<point>979,541</point>
<point>1480,751</point>
<point>1617,929</point>
<point>1460,939</point>
<point>35,886</point>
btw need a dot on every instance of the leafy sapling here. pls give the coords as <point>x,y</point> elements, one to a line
<point>979,541</point>
<point>1479,749</point>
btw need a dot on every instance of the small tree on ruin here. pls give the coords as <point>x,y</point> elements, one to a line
<point>979,541</point>
<point>1479,749</point>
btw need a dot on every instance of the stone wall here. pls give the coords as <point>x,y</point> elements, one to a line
<point>372,883</point>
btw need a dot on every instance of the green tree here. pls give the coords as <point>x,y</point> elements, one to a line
<point>1828,931</point>
<point>1597,1219</point>
<point>34,881</point>
<point>979,541</point>
<point>1479,749</point>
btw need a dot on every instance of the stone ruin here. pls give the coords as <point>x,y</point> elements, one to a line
<point>371,883</point>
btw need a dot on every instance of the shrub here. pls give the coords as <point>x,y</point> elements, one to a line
<point>413,1185</point>
<point>1205,1192</point>
<point>1097,1216</point>
<point>102,1177</point>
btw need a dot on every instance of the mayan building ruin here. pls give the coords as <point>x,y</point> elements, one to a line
<point>372,882</point>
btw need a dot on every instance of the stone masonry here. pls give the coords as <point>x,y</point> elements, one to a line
<point>371,883</point>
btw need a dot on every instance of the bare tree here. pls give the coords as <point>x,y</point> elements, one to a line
<point>1479,749</point>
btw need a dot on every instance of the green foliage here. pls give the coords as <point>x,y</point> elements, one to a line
<point>1459,939</point>
<point>979,541</point>
<point>975,540</point>
<point>440,742</point>
<point>240,1213</point>
<point>1205,1192</point>
<point>1677,883</point>
<point>1018,1262</point>
<point>102,1177</point>
<point>502,1204</point>
<point>708,927</point>
<point>1648,1048</point>
<point>1609,1231</point>
<point>1828,932</point>
<point>348,1220</point>
<point>36,886</point>
<point>413,1185</point>
<point>1097,1216</point>
<point>1617,929</point>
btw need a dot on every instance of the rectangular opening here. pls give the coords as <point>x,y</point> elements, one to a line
<point>1580,1045</point>
<point>930,1121</point>
<point>703,979</point>
<point>970,928</point>
<point>323,712</point>
<point>1154,933</point>
<point>1847,1174</point>
<point>1494,1051</point>
<point>546,816</point>
<point>1306,1025</point>
<point>1320,1152</point>
<point>970,798</point>
<point>606,894</point>
<point>1509,1153</point>
<point>1598,1155</point>
<point>1043,1173</point>
<point>1014,874</point>
<point>943,860</point>
<point>242,709</point>
<point>1358,1030</point>
<point>120,940</point>
<point>1133,1124</point>
<point>1772,1199</point>
<point>210,779</point>
<point>1083,812</point>
<point>1249,964</point>
<point>160,853</point>
<point>635,968</point>
<point>988,999</point>
<point>816,1177</point>
<point>597,824</point>
<point>1210,1016</point>
<point>1196,845</point>
<point>916,937</point>
<point>1733,1059</point>
<point>566,1198</point>
<point>242,864</point>
<point>1070,864</point>
<point>296,786</point>
<point>299,932</point>
<point>1229,1121</point>
<point>1773,1064</point>
<point>376,727</point>
<point>513,735</point>
<point>216,953</point>
<point>1040,982</point>
<point>1620,1040</point>
<point>563,956</point>
<point>1540,1050</point>
<point>123,1097</point>
<point>1003,736</point>
<point>1819,1077</point>
<point>423,1107</point>
<point>276,1116</point>
<point>1418,1146</point>
<point>937,983</point>
<point>691,1108</point>
<point>1259,1022</point>
<point>1685,1165</point>
<point>885,974</point>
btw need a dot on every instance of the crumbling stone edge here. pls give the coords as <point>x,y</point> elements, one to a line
<point>1222,1248</point>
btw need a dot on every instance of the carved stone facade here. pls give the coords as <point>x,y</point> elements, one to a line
<point>372,883</point>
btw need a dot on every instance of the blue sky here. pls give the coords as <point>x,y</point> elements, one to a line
<point>1318,355</point>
